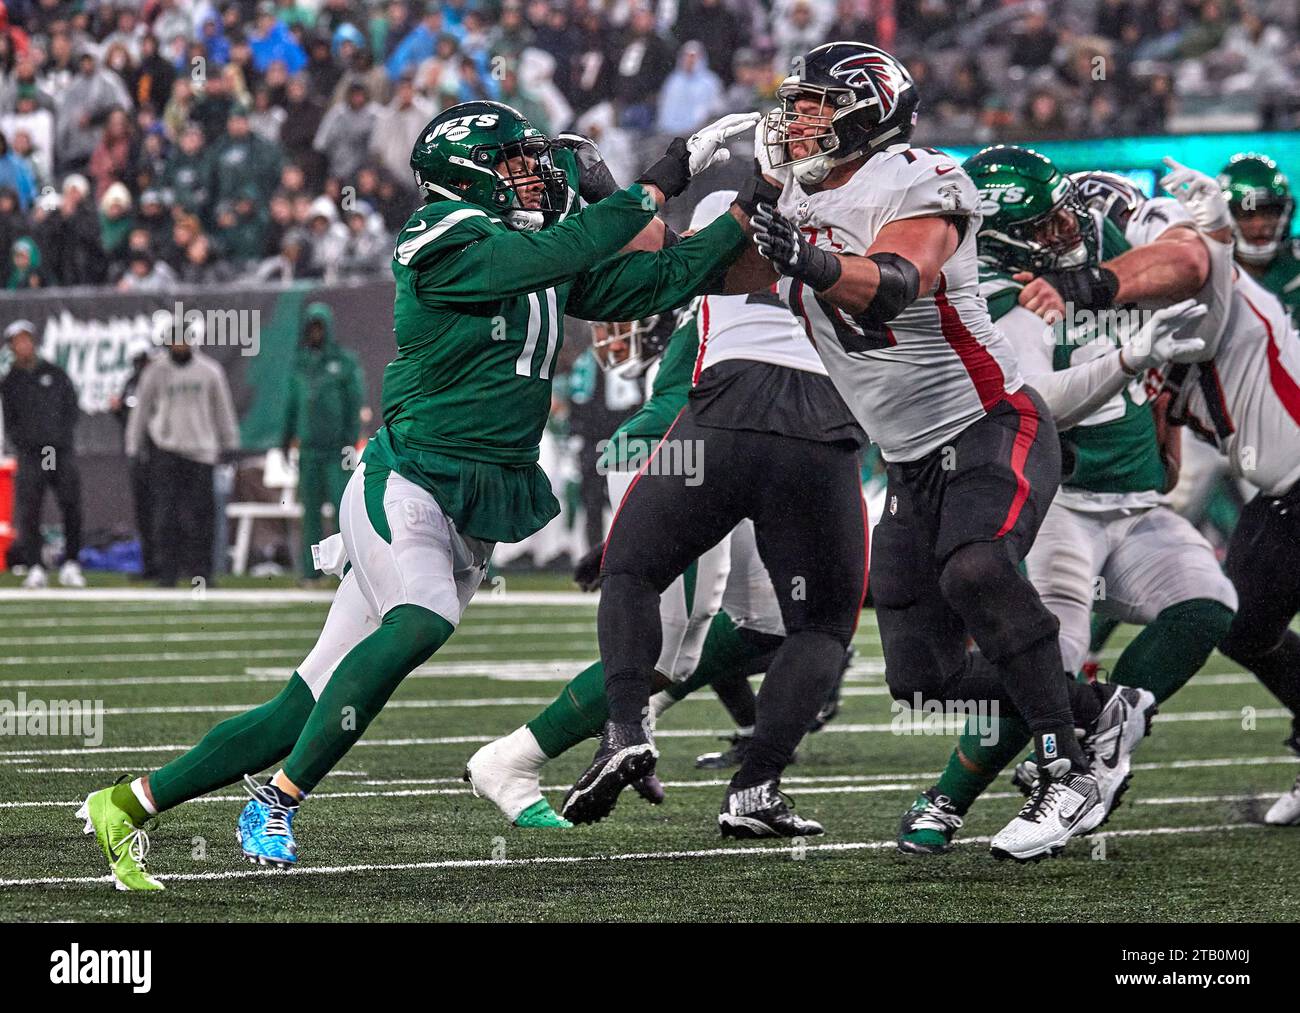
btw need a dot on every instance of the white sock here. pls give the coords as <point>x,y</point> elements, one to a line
<point>521,746</point>
<point>660,702</point>
<point>137,789</point>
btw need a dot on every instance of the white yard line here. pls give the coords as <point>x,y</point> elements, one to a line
<point>265,596</point>
<point>739,851</point>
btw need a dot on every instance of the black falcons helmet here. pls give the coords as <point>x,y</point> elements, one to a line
<point>868,101</point>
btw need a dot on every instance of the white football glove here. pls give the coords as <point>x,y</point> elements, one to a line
<point>1157,343</point>
<point>764,156</point>
<point>708,145</point>
<point>1199,193</point>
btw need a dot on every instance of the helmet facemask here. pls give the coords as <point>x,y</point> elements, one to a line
<point>627,349</point>
<point>820,128</point>
<point>509,171</point>
<point>1261,252</point>
<point>1060,239</point>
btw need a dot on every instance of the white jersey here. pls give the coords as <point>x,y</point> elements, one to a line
<point>1149,223</point>
<point>940,365</point>
<point>1246,399</point>
<point>758,327</point>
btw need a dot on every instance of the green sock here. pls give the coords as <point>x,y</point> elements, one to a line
<point>577,714</point>
<point>243,744</point>
<point>360,686</point>
<point>124,798</point>
<point>1222,510</point>
<point>1172,649</point>
<point>1102,628</point>
<point>974,765</point>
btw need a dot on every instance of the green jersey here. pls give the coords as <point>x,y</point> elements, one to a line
<point>479,321</point>
<point>1282,278</point>
<point>633,441</point>
<point>1115,449</point>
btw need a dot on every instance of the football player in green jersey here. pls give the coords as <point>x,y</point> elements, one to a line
<point>486,270</point>
<point>1259,197</point>
<point>1106,541</point>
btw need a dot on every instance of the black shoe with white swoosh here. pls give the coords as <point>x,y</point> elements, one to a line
<point>626,754</point>
<point>762,811</point>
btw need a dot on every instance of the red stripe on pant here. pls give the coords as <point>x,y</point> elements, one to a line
<point>1019,454</point>
<point>866,562</point>
<point>632,485</point>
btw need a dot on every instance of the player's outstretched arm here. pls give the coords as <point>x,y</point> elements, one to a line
<point>637,285</point>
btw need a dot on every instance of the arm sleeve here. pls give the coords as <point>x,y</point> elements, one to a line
<point>139,419</point>
<point>290,412</point>
<point>505,264</point>
<point>636,285</point>
<point>1071,394</point>
<point>354,395</point>
<point>224,405</point>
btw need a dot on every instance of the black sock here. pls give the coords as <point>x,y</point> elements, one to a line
<point>796,685</point>
<point>631,637</point>
<point>737,695</point>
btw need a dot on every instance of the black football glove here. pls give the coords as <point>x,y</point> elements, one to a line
<point>586,574</point>
<point>595,181</point>
<point>790,253</point>
<point>1088,288</point>
<point>672,173</point>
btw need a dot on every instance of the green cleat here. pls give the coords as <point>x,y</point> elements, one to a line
<point>539,815</point>
<point>124,844</point>
<point>928,827</point>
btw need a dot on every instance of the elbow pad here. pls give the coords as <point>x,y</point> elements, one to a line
<point>900,284</point>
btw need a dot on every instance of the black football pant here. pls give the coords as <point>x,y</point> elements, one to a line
<point>945,566</point>
<point>1263,564</point>
<point>805,500</point>
<point>54,469</point>
<point>184,517</point>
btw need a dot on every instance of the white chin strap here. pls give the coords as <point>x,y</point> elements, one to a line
<point>1076,257</point>
<point>813,170</point>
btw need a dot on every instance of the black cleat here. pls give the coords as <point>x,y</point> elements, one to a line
<point>650,788</point>
<point>625,755</point>
<point>831,707</point>
<point>1292,742</point>
<point>733,756</point>
<point>927,828</point>
<point>762,811</point>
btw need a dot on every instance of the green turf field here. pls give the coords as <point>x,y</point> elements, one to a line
<point>395,835</point>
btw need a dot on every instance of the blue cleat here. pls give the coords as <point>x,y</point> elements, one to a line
<point>265,831</point>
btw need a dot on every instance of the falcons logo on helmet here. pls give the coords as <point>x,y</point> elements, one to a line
<point>876,71</point>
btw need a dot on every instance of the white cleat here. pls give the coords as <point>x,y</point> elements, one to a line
<point>1062,804</point>
<point>35,580</point>
<point>507,773</point>
<point>1286,810</point>
<point>70,574</point>
<point>1122,725</point>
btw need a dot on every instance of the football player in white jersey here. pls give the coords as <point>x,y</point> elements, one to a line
<point>874,244</point>
<point>1243,397</point>
<point>1106,540</point>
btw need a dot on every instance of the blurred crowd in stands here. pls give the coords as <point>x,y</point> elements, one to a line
<point>151,143</point>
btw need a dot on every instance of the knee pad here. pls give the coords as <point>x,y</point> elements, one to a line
<point>1000,608</point>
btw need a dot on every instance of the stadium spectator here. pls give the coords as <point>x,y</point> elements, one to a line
<point>16,175</point>
<point>644,61</point>
<point>84,104</point>
<point>345,132</point>
<point>40,421</point>
<point>718,29</point>
<point>692,93</point>
<point>184,407</point>
<point>31,117</point>
<point>395,125</point>
<point>25,265</point>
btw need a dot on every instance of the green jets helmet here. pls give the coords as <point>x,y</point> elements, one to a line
<point>1034,219</point>
<point>1253,185</point>
<point>476,152</point>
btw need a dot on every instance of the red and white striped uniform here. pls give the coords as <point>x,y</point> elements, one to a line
<point>1250,389</point>
<point>756,327</point>
<point>941,364</point>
